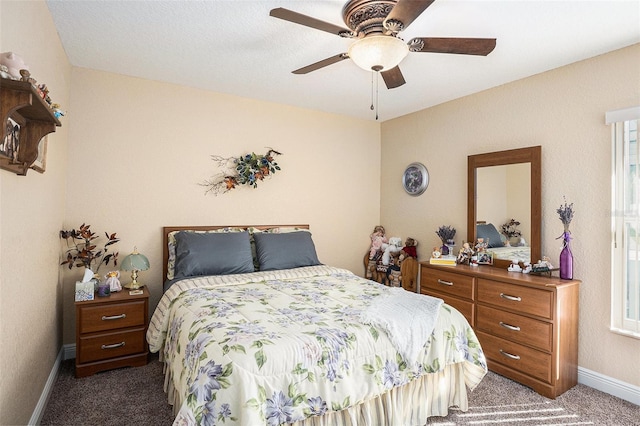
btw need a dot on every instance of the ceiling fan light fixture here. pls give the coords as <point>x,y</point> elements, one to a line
<point>378,51</point>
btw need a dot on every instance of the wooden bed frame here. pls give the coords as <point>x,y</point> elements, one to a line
<point>168,229</point>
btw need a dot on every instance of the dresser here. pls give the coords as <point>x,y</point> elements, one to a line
<point>110,332</point>
<point>527,324</point>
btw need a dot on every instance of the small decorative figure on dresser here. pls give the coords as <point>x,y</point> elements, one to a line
<point>464,255</point>
<point>515,266</point>
<point>436,253</point>
<point>112,279</point>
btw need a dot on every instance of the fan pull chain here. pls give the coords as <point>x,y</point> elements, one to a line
<point>375,75</point>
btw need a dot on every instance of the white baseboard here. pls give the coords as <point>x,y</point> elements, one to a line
<point>69,351</point>
<point>36,417</point>
<point>609,385</point>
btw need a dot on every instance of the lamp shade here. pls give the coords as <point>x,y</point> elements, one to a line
<point>135,262</point>
<point>378,51</point>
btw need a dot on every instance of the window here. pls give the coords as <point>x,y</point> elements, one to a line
<point>625,283</point>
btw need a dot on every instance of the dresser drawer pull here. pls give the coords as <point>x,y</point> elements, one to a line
<point>445,282</point>
<point>508,355</point>
<point>512,298</point>
<point>114,317</point>
<point>509,326</point>
<point>113,346</point>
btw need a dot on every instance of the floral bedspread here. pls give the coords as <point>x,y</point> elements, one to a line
<point>281,346</point>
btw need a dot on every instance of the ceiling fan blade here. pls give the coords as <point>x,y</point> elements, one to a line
<point>463,46</point>
<point>393,78</point>
<point>321,64</point>
<point>406,11</point>
<point>308,21</point>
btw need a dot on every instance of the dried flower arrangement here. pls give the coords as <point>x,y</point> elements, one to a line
<point>244,170</point>
<point>510,229</point>
<point>82,249</point>
<point>566,214</point>
<point>446,233</point>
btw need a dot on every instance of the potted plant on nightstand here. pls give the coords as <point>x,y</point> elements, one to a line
<point>82,250</point>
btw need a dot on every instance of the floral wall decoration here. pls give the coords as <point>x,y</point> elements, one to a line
<point>245,170</point>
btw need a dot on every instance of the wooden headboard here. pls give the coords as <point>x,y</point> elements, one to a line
<point>168,229</point>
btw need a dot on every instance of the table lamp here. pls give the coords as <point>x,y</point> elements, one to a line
<point>134,262</point>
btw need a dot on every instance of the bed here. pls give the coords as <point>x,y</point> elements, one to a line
<point>496,244</point>
<point>308,344</point>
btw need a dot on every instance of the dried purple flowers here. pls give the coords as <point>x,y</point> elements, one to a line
<point>566,214</point>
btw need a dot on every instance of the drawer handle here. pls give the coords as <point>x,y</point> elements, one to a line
<point>114,317</point>
<point>509,326</point>
<point>445,282</point>
<point>113,346</point>
<point>508,355</point>
<point>512,298</point>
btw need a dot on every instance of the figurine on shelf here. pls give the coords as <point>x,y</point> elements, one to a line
<point>527,268</point>
<point>436,253</point>
<point>14,64</point>
<point>57,112</point>
<point>481,245</point>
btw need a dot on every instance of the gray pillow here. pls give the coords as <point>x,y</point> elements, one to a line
<point>490,234</point>
<point>212,254</point>
<point>285,251</point>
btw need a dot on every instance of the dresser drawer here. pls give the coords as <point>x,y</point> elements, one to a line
<point>111,316</point>
<point>447,282</point>
<point>523,299</point>
<point>465,308</point>
<point>529,361</point>
<point>110,345</point>
<point>515,327</point>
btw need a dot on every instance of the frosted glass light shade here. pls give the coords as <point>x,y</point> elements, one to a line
<point>378,51</point>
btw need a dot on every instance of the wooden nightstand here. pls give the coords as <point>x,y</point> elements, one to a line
<point>111,332</point>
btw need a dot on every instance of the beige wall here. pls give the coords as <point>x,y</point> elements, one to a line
<point>562,110</point>
<point>138,150</point>
<point>31,215</point>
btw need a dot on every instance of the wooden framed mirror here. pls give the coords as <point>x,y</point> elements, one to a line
<point>501,185</point>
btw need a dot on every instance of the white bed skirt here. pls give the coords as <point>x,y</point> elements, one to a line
<point>411,404</point>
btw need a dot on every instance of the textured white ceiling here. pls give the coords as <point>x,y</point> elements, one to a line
<point>235,47</point>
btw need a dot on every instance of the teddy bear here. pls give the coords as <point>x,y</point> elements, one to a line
<point>392,248</point>
<point>409,249</point>
<point>393,274</point>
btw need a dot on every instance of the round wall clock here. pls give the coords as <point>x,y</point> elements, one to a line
<point>415,179</point>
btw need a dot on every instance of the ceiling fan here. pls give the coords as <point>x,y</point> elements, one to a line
<point>375,25</point>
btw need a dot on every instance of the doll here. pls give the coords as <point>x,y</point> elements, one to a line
<point>113,281</point>
<point>378,241</point>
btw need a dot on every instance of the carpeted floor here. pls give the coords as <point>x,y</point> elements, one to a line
<point>134,396</point>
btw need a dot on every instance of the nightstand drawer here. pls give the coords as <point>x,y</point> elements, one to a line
<point>447,282</point>
<point>526,360</point>
<point>517,328</point>
<point>110,345</point>
<point>111,316</point>
<point>523,299</point>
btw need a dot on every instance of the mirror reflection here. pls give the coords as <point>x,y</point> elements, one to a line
<point>503,210</point>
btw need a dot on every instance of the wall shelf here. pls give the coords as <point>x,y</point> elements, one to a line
<point>21,102</point>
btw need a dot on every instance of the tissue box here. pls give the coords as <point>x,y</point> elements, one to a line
<point>84,291</point>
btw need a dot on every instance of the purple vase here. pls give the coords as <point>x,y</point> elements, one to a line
<point>566,258</point>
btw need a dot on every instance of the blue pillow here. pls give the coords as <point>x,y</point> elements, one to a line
<point>490,234</point>
<point>285,251</point>
<point>212,254</point>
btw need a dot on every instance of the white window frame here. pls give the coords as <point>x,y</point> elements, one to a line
<point>623,218</point>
